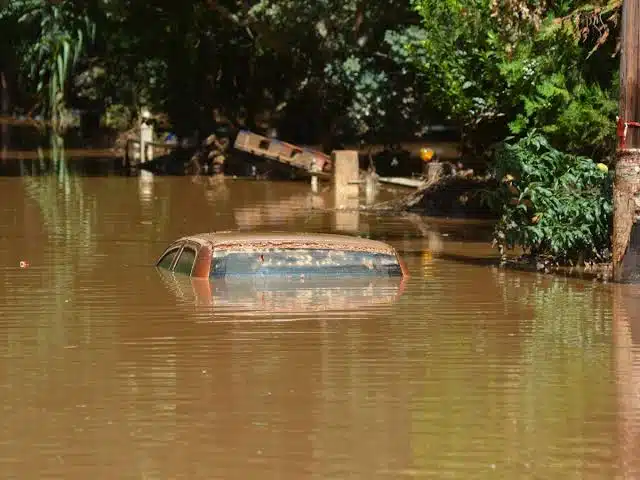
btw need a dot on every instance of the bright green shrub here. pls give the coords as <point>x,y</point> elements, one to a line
<point>552,204</point>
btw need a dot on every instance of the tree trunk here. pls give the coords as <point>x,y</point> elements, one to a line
<point>626,196</point>
<point>5,107</point>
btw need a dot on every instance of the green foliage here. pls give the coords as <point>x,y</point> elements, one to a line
<point>314,68</point>
<point>551,203</point>
<point>516,67</point>
<point>368,90</point>
<point>347,58</point>
<point>576,114</point>
<point>586,123</point>
<point>60,33</point>
<point>458,58</point>
<point>508,66</point>
<point>118,117</point>
<point>326,68</point>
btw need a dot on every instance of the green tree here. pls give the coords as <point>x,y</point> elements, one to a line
<point>499,67</point>
<point>49,38</point>
<point>324,67</point>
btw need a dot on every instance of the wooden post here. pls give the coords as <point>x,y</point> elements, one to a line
<point>126,160</point>
<point>314,178</point>
<point>146,137</point>
<point>626,194</point>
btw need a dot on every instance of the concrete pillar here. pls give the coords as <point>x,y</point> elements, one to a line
<point>346,172</point>
<point>346,188</point>
<point>347,221</point>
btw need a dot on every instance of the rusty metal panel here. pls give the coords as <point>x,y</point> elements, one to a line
<point>255,240</point>
<point>280,151</point>
<point>203,262</point>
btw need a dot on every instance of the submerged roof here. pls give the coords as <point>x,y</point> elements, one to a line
<point>289,240</point>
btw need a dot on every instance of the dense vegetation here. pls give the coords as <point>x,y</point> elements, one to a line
<point>316,69</point>
<point>533,86</point>
<point>327,70</point>
<point>385,67</point>
<point>556,205</point>
<point>505,66</point>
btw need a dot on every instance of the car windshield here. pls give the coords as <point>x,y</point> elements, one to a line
<point>302,261</point>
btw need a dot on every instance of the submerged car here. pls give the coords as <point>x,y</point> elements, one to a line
<point>231,254</point>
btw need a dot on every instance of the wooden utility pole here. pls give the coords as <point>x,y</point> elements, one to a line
<point>626,193</point>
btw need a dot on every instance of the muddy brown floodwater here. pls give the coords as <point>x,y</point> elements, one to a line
<point>111,369</point>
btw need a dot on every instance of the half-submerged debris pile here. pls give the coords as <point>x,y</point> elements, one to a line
<point>456,195</point>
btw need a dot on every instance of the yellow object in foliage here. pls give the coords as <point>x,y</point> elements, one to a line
<point>508,178</point>
<point>426,154</point>
<point>602,167</point>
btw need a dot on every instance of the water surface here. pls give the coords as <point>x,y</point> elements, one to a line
<point>111,369</point>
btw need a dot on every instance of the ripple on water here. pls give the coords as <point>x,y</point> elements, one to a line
<point>109,369</point>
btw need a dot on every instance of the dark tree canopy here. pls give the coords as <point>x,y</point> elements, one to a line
<point>323,70</point>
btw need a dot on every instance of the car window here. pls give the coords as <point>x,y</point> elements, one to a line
<point>167,259</point>
<point>303,261</point>
<point>185,261</point>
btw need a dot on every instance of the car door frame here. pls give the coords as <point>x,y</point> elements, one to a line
<point>175,246</point>
<point>195,247</point>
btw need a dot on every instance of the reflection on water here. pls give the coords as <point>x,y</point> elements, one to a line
<point>626,327</point>
<point>255,297</point>
<point>111,369</point>
<point>145,187</point>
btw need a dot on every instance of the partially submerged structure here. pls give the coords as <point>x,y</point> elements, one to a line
<point>231,254</point>
<point>304,160</point>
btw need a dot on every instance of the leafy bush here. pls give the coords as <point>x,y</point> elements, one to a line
<point>505,67</point>
<point>552,204</point>
<point>55,36</point>
<point>118,117</point>
<point>578,119</point>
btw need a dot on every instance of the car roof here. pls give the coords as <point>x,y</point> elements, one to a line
<point>252,240</point>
